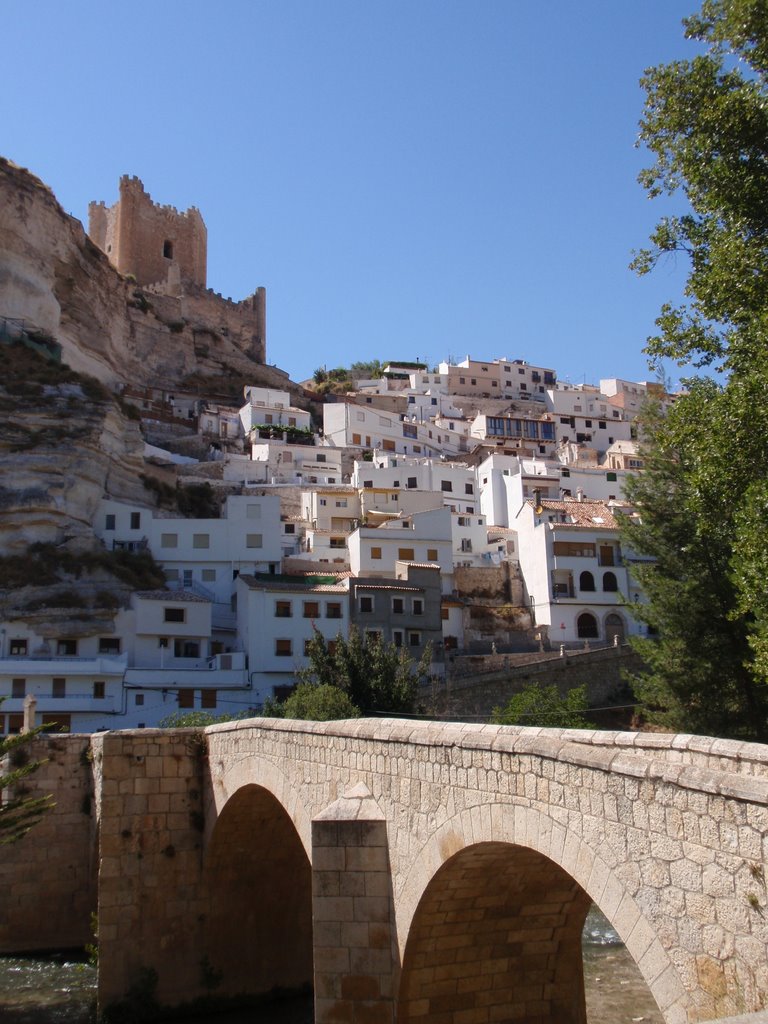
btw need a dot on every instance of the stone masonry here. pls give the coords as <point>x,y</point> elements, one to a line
<point>427,873</point>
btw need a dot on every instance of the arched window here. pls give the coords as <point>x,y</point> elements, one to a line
<point>586,581</point>
<point>586,627</point>
<point>609,581</point>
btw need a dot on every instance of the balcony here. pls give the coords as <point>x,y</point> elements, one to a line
<point>66,705</point>
<point>29,666</point>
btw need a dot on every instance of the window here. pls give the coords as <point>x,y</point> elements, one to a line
<point>356,439</point>
<point>99,688</point>
<point>398,606</point>
<point>418,606</point>
<point>601,425</point>
<point>573,549</point>
<point>376,553</point>
<point>397,637</point>
<point>186,698</point>
<point>59,688</point>
<point>109,522</point>
<point>253,540</point>
<point>253,511</point>
<point>135,520</point>
<point>268,417</point>
<point>338,542</point>
<point>311,609</point>
<point>169,540</point>
<point>466,544</point>
<point>333,610</point>
<point>586,581</point>
<point>291,421</point>
<point>341,503</point>
<point>109,645</point>
<point>283,648</point>
<point>366,604</point>
<point>18,688</point>
<point>609,582</point>
<point>431,554</point>
<point>444,613</point>
<point>446,485</point>
<point>307,647</point>
<point>367,483</point>
<point>208,698</point>
<point>411,482</point>
<point>201,540</point>
<point>18,648</point>
<point>360,417</point>
<point>168,249</point>
<point>586,627</point>
<point>174,615</point>
<point>565,472</point>
<point>139,700</point>
<point>320,457</point>
<point>283,609</point>
<point>414,639</point>
<point>406,554</point>
<point>610,476</point>
<point>66,648</point>
<point>186,649</point>
<point>469,488</point>
<point>290,528</point>
<point>209,575</point>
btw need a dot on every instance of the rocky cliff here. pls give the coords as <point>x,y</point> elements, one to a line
<point>65,438</point>
<point>54,277</point>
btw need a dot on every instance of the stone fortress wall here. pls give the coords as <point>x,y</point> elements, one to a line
<point>166,252</point>
<point>143,239</point>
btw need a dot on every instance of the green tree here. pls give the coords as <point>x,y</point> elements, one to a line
<point>19,810</point>
<point>376,676</point>
<point>199,719</point>
<point>702,496</point>
<point>700,673</point>
<point>544,707</point>
<point>319,703</point>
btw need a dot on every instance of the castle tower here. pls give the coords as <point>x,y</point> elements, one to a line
<point>157,244</point>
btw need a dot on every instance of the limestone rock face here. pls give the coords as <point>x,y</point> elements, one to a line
<point>56,463</point>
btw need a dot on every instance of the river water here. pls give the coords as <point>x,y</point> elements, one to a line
<point>61,990</point>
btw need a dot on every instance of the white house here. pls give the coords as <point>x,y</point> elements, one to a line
<point>204,555</point>
<point>144,663</point>
<point>277,617</point>
<point>574,573</point>
<point>498,378</point>
<point>347,425</point>
<point>454,480</point>
<point>271,407</point>
<point>423,537</point>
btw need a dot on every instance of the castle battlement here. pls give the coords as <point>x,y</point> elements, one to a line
<point>166,251</point>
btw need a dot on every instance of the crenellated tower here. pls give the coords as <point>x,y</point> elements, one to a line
<point>156,244</point>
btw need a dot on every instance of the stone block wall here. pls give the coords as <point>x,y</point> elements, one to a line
<point>48,878</point>
<point>151,908</point>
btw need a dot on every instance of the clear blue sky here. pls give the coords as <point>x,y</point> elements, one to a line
<point>409,178</point>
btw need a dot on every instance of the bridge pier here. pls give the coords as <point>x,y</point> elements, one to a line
<point>355,954</point>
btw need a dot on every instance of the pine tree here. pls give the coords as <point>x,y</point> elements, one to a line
<point>19,809</point>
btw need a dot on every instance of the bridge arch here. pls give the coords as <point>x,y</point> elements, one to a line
<point>551,875</point>
<point>256,884</point>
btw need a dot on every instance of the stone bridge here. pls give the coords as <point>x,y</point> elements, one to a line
<point>430,873</point>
